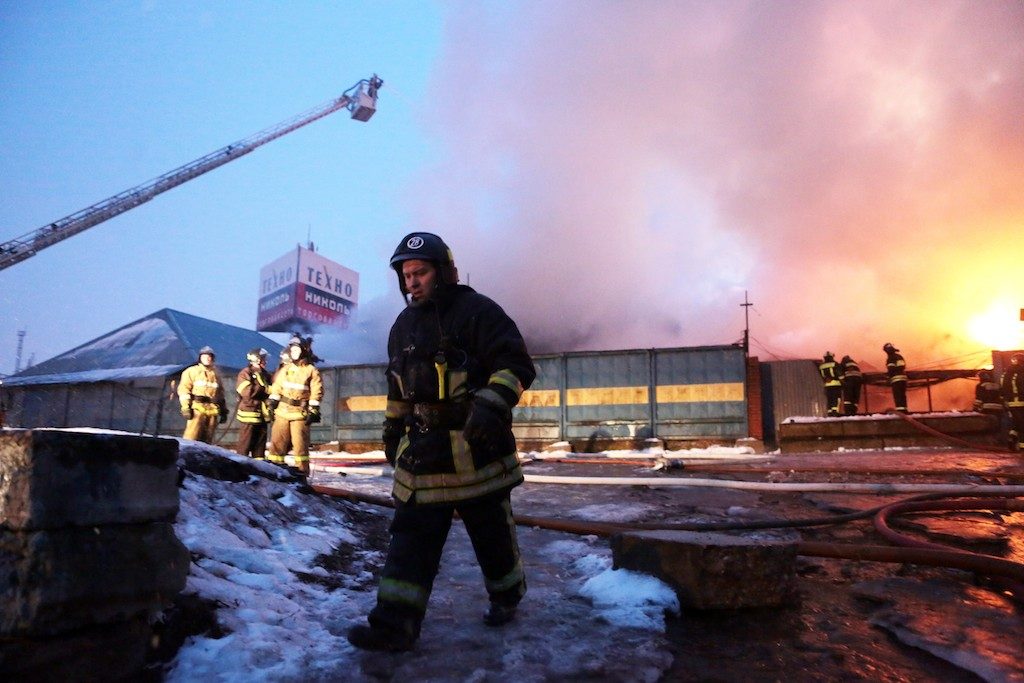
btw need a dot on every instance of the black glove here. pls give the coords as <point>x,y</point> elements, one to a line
<point>392,435</point>
<point>313,416</point>
<point>222,416</point>
<point>187,413</point>
<point>272,403</point>
<point>489,417</point>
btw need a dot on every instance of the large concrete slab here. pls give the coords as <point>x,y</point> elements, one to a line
<point>884,431</point>
<point>711,570</point>
<point>52,479</point>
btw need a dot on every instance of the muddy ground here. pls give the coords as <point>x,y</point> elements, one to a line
<point>850,620</point>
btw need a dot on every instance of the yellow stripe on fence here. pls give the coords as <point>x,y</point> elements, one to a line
<point>358,404</point>
<point>539,398</point>
<point>700,393</point>
<point>593,396</point>
<point>600,396</point>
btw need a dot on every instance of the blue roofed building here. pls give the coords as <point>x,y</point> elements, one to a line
<point>126,379</point>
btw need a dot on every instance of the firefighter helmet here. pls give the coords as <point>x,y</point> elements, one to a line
<point>985,375</point>
<point>256,355</point>
<point>207,350</point>
<point>425,246</point>
<point>828,356</point>
<point>889,347</point>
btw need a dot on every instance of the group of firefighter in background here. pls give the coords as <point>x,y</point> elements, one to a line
<point>288,401</point>
<point>843,381</point>
<point>1004,399</point>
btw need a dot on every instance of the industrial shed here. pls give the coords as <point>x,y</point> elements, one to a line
<point>125,379</point>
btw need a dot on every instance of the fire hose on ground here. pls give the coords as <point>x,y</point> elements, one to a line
<point>949,438</point>
<point>911,552</point>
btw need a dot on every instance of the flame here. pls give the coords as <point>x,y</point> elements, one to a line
<point>999,327</point>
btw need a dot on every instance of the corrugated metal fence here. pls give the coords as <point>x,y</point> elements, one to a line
<point>585,398</point>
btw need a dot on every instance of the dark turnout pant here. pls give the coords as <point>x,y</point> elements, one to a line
<point>899,395</point>
<point>418,534</point>
<point>252,439</point>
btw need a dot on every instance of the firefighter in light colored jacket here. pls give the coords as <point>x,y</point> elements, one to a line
<point>201,395</point>
<point>295,403</point>
<point>253,388</point>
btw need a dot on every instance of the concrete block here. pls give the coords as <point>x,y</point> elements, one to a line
<point>112,652</point>
<point>711,570</point>
<point>56,581</point>
<point>52,479</point>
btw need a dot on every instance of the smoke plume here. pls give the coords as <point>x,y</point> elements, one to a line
<point>617,175</point>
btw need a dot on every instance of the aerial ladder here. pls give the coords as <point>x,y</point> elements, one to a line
<point>360,100</point>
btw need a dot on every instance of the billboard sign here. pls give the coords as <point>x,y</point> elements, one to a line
<point>304,291</point>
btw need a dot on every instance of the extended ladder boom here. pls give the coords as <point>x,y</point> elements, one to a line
<point>360,100</point>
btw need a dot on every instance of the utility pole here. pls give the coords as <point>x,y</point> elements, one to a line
<point>746,323</point>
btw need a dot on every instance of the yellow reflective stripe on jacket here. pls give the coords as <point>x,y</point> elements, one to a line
<point>455,486</point>
<point>199,380</point>
<point>828,373</point>
<point>461,455</point>
<point>205,409</point>
<point>897,367</point>
<point>250,416</point>
<point>508,379</point>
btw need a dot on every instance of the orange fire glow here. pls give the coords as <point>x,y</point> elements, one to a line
<point>999,327</point>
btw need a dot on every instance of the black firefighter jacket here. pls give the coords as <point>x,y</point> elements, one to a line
<point>441,352</point>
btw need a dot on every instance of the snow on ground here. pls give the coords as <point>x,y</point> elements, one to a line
<point>259,546</point>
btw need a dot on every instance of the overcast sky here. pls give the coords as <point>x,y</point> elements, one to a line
<point>616,175</point>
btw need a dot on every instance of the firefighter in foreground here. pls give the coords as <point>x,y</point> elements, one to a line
<point>253,388</point>
<point>831,375</point>
<point>202,398</point>
<point>458,365</point>
<point>295,404</point>
<point>897,369</point>
<point>1013,393</point>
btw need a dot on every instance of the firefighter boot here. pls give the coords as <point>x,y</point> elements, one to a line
<point>377,638</point>
<point>499,615</point>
